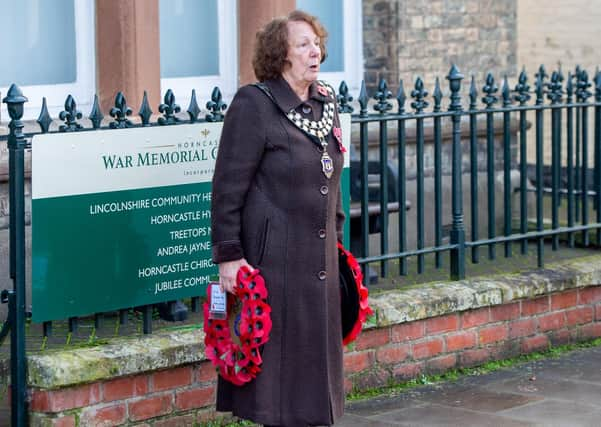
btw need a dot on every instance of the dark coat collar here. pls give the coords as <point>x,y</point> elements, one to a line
<point>287,99</point>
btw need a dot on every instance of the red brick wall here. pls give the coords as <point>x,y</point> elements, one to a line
<point>472,337</point>
<point>186,394</point>
<point>173,397</point>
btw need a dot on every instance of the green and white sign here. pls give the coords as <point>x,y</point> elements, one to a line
<point>121,218</point>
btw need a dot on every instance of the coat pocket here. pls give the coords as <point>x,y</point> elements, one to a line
<point>263,241</point>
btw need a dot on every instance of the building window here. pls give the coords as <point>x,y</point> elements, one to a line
<point>198,47</point>
<point>48,50</point>
<point>343,21</point>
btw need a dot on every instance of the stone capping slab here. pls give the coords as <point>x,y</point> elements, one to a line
<point>440,298</point>
<point>130,356</point>
<point>121,357</point>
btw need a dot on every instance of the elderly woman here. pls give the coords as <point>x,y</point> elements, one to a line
<point>276,207</point>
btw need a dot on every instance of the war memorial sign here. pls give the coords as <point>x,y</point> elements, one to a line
<point>121,218</point>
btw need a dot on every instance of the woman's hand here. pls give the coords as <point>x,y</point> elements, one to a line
<point>228,272</point>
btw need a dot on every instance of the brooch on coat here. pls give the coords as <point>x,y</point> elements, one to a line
<point>337,132</point>
<point>322,90</point>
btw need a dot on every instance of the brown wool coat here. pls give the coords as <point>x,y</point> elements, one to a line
<point>273,205</point>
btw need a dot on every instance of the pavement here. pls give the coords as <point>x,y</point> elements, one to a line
<point>563,391</point>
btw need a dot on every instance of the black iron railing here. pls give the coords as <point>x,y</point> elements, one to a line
<point>566,100</point>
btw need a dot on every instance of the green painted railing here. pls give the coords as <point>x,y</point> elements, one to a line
<point>573,177</point>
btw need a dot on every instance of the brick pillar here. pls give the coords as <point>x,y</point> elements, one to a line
<point>252,15</point>
<point>127,51</point>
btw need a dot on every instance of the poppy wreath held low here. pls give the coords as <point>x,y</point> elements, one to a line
<point>354,305</point>
<point>232,344</point>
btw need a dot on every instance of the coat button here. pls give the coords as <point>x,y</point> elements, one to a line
<point>321,275</point>
<point>324,190</point>
<point>322,234</point>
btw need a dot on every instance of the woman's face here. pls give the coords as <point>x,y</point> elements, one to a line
<point>304,53</point>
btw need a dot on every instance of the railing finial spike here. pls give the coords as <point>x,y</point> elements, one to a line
<point>363,100</point>
<point>490,89</point>
<point>382,96</point>
<point>169,109</point>
<point>582,87</point>
<point>96,115</point>
<point>455,77</point>
<point>216,106</point>
<point>70,115</point>
<point>344,99</point>
<point>522,89</point>
<point>44,119</point>
<point>570,86</point>
<point>506,92</point>
<point>401,97</point>
<point>419,94</point>
<point>597,85</point>
<point>193,109</point>
<point>473,94</point>
<point>120,112</point>
<point>145,112</point>
<point>437,95</point>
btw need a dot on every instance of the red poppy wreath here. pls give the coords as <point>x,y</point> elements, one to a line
<point>232,344</point>
<point>354,303</point>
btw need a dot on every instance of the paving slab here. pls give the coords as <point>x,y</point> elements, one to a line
<point>563,391</point>
<point>554,388</point>
<point>574,367</point>
<point>557,413</point>
<point>381,405</point>
<point>439,415</point>
<point>588,372</point>
<point>350,420</point>
<point>477,399</point>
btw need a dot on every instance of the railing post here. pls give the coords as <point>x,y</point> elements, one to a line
<point>598,152</point>
<point>16,147</point>
<point>473,107</point>
<point>507,219</point>
<point>582,95</point>
<point>540,128</point>
<point>490,89</point>
<point>383,106</point>
<point>419,104</point>
<point>364,150</point>
<point>402,184</point>
<point>555,94</point>
<point>458,227</point>
<point>522,90</point>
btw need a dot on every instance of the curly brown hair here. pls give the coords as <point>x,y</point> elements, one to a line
<point>271,46</point>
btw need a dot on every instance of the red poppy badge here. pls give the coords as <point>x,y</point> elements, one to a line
<point>322,90</point>
<point>337,132</point>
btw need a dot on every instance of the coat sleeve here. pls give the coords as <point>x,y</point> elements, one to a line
<point>240,151</point>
